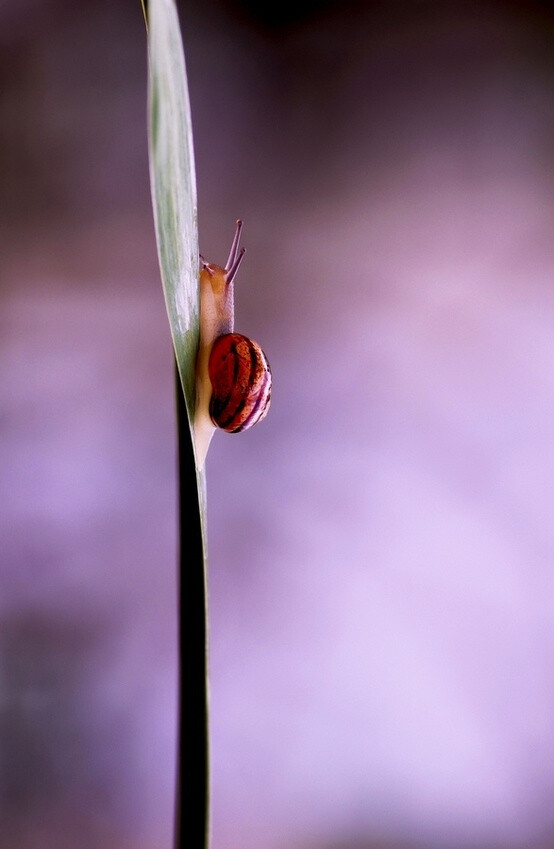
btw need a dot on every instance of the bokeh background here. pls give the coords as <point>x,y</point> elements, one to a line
<point>382,547</point>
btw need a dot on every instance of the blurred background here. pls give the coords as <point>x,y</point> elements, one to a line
<point>382,546</point>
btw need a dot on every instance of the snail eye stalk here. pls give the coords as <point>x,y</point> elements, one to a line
<point>232,273</point>
<point>234,246</point>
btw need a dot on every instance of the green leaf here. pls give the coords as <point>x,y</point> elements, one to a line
<point>173,181</point>
<point>173,184</point>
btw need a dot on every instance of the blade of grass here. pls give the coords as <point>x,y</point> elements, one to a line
<point>173,184</point>
<point>192,793</point>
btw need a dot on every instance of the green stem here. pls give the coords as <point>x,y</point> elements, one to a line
<point>192,805</point>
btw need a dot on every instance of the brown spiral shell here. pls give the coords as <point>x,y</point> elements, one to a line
<point>241,382</point>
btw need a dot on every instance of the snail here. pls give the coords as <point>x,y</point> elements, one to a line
<point>233,377</point>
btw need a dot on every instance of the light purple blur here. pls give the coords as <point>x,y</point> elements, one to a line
<point>381,547</point>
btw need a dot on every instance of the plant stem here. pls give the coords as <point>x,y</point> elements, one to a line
<point>192,804</point>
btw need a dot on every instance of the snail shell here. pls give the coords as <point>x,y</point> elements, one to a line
<point>241,383</point>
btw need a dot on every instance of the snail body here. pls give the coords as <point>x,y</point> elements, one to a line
<point>233,376</point>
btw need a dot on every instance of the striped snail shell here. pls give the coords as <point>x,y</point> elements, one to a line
<point>241,383</point>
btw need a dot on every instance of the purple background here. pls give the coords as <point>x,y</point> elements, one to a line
<point>382,547</point>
